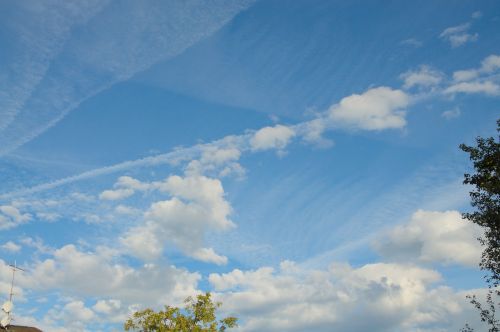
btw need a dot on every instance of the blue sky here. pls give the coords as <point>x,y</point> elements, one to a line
<point>299,159</point>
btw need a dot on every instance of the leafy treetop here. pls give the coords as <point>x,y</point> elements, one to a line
<point>485,198</point>
<point>198,316</point>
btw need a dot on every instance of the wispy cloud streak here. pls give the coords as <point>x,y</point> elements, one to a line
<point>269,137</point>
<point>110,50</point>
<point>41,36</point>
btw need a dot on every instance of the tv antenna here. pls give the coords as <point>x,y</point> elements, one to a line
<point>8,306</point>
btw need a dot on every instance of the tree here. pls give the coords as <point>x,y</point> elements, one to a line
<point>197,316</point>
<point>485,198</point>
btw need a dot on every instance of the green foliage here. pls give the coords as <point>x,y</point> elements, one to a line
<point>485,198</point>
<point>197,316</point>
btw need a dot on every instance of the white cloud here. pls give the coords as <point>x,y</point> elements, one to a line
<point>376,109</point>
<point>89,218</point>
<point>461,39</point>
<point>112,310</point>
<point>127,182</point>
<point>126,210</point>
<point>11,246</point>
<point>197,206</point>
<point>490,64</point>
<point>100,274</point>
<point>465,75</point>
<point>125,187</point>
<point>38,244</point>
<point>107,306</point>
<point>82,197</point>
<point>233,169</point>
<point>477,14</point>
<point>451,114</point>
<point>482,80</point>
<point>6,279</point>
<point>209,255</point>
<point>114,50</point>
<point>486,87</point>
<point>389,297</point>
<point>430,236</point>
<point>455,30</point>
<point>47,323</point>
<point>276,137</point>
<point>425,76</point>
<point>458,35</point>
<point>76,310</point>
<point>48,216</point>
<point>71,314</point>
<point>218,156</point>
<point>218,159</point>
<point>113,195</point>
<point>143,241</point>
<point>385,115</point>
<point>312,132</point>
<point>40,37</point>
<point>10,217</point>
<point>412,42</point>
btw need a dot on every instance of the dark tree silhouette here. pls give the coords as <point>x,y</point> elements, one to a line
<point>485,199</point>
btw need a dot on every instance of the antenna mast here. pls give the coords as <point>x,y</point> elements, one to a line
<point>14,269</point>
<point>7,306</point>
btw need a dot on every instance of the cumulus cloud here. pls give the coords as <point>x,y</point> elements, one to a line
<point>376,109</point>
<point>276,137</point>
<point>81,277</point>
<point>6,279</point>
<point>487,87</point>
<point>113,195</point>
<point>424,76</point>
<point>312,132</point>
<point>465,75</point>
<point>218,159</point>
<point>389,297</point>
<point>430,236</point>
<point>75,311</point>
<point>218,156</point>
<point>489,65</point>
<point>11,246</point>
<point>107,307</point>
<point>11,216</point>
<point>483,79</point>
<point>458,35</point>
<point>128,182</point>
<point>37,244</point>
<point>197,206</point>
<point>125,187</point>
<point>113,310</point>
<point>126,210</point>
<point>74,315</point>
<point>99,273</point>
<point>209,255</point>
